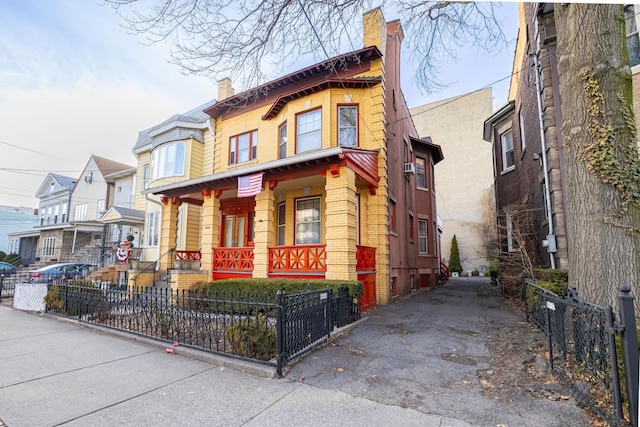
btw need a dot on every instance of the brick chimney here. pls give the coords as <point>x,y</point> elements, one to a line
<point>374,29</point>
<point>224,89</point>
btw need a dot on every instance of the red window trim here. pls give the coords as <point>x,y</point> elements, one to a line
<point>251,145</point>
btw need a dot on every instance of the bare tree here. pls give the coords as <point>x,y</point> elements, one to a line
<point>252,40</point>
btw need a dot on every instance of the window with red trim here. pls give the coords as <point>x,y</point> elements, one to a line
<point>243,147</point>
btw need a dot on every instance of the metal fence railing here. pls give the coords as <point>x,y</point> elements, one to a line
<point>240,325</point>
<point>585,343</point>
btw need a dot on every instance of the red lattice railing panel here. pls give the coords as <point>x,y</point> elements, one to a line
<point>298,259</point>
<point>233,259</point>
<point>365,258</point>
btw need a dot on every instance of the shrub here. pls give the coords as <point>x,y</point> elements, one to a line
<point>3,255</point>
<point>555,281</point>
<point>268,288</point>
<point>11,258</point>
<point>454,258</point>
<point>252,337</point>
<point>52,300</point>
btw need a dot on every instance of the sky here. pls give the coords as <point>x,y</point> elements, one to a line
<point>73,83</point>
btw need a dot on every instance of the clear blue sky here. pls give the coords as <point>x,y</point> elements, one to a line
<point>75,84</point>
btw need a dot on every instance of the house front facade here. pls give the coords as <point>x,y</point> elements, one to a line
<point>317,174</point>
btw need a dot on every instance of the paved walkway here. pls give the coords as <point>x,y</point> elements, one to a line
<point>390,370</point>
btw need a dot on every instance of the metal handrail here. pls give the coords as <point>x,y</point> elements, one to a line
<point>154,265</point>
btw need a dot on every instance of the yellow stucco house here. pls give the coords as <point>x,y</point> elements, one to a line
<point>317,174</point>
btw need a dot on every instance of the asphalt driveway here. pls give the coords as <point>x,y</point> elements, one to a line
<point>432,353</point>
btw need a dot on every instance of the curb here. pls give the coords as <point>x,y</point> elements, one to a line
<point>252,368</point>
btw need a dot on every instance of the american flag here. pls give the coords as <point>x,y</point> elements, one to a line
<point>249,185</point>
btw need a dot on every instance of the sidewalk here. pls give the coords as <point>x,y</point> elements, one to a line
<point>418,362</point>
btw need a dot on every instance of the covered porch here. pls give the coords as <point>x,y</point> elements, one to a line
<point>316,217</point>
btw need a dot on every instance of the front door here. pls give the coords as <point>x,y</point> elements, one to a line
<point>235,230</point>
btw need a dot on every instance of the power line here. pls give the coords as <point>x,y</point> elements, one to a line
<point>32,151</point>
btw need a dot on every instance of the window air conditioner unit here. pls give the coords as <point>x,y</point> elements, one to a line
<point>409,168</point>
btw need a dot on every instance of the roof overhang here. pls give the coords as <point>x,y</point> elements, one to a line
<point>327,67</point>
<point>497,117</point>
<point>434,149</point>
<point>363,162</point>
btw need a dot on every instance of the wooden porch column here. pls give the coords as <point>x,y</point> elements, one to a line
<point>169,231</point>
<point>210,231</point>
<point>340,224</point>
<point>264,228</point>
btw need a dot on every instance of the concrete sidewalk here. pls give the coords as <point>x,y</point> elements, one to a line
<point>55,372</point>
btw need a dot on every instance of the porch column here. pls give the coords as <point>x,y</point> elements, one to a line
<point>169,231</point>
<point>265,235</point>
<point>340,224</point>
<point>210,230</point>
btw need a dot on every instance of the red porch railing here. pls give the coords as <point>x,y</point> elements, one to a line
<point>233,259</point>
<point>365,258</point>
<point>298,259</point>
<point>188,255</point>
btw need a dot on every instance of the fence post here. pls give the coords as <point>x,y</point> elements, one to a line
<point>549,332</point>
<point>629,348</point>
<point>329,317</point>
<point>613,361</point>
<point>1,284</point>
<point>280,356</point>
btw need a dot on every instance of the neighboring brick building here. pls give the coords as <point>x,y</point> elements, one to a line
<point>317,174</point>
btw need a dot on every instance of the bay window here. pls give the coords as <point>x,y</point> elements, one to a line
<point>168,160</point>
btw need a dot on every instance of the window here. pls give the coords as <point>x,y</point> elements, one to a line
<point>309,131</point>
<point>422,236</point>
<point>64,212</point>
<point>49,215</point>
<point>152,229</point>
<point>308,221</point>
<point>348,126</point>
<point>101,205</point>
<point>523,142</point>
<point>81,212</point>
<point>282,141</point>
<point>167,160</point>
<point>633,41</point>
<point>56,212</point>
<point>48,246</point>
<point>145,177</point>
<point>243,148</point>
<point>392,216</point>
<point>508,156</point>
<point>412,230</point>
<point>281,223</point>
<point>421,177</point>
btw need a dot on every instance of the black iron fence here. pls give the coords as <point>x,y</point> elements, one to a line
<point>7,285</point>
<point>237,325</point>
<point>591,349</point>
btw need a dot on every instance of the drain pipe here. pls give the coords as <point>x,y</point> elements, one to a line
<point>550,242</point>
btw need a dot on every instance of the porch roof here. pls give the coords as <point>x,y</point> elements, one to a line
<point>117,214</point>
<point>363,162</point>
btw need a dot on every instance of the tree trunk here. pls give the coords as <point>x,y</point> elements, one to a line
<point>601,157</point>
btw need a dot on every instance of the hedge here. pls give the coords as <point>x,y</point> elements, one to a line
<point>269,287</point>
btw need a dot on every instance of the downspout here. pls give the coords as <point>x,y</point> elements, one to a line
<point>550,242</point>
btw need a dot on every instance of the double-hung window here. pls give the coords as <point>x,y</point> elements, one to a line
<point>281,223</point>
<point>633,40</point>
<point>348,126</point>
<point>167,160</point>
<point>508,154</point>
<point>309,131</point>
<point>152,232</point>
<point>421,177</point>
<point>243,148</point>
<point>282,141</point>
<point>308,221</point>
<point>81,212</point>
<point>422,236</point>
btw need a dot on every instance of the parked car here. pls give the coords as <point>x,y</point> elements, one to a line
<point>6,268</point>
<point>59,272</point>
